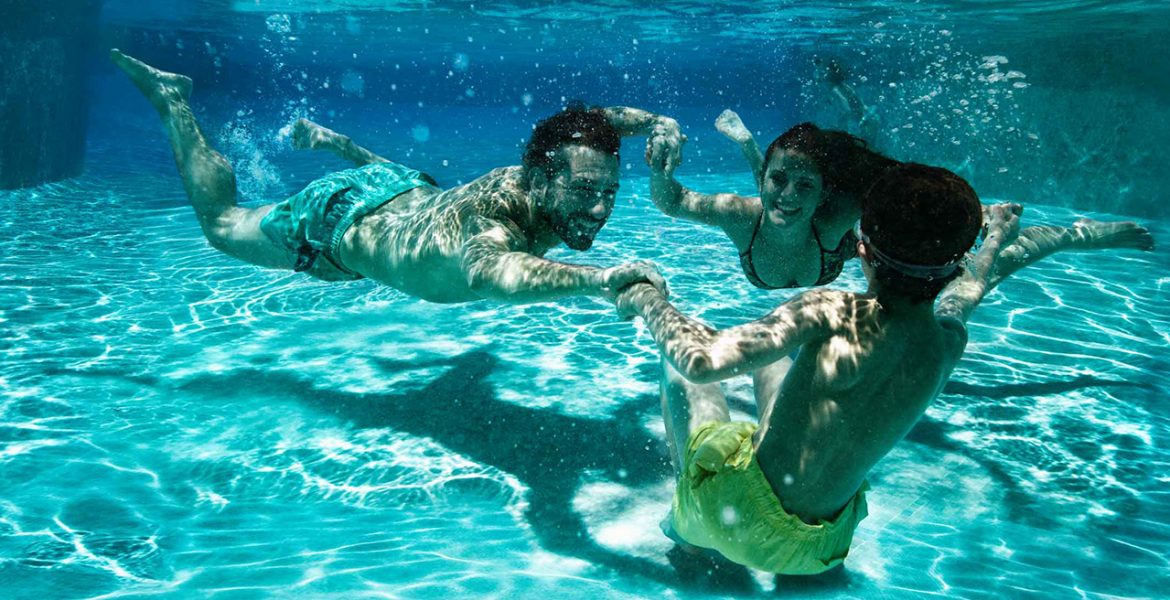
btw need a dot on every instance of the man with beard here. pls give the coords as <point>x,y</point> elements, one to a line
<point>392,224</point>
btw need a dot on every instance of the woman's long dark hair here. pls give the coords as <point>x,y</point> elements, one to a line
<point>847,165</point>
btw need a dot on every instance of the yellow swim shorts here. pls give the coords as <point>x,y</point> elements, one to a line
<point>723,502</point>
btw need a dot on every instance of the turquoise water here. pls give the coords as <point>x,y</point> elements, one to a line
<point>174,423</point>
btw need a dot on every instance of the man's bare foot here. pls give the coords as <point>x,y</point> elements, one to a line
<point>307,135</point>
<point>729,124</point>
<point>160,87</point>
<point>1118,234</point>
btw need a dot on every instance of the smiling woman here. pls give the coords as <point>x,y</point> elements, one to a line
<point>799,231</point>
<point>812,183</point>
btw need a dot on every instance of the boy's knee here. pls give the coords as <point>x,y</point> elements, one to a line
<point>670,374</point>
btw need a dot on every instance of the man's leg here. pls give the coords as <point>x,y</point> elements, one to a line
<point>859,115</point>
<point>1036,243</point>
<point>207,176</point>
<point>307,135</point>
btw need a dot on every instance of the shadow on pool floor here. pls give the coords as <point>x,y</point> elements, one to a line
<point>550,452</point>
<point>545,449</point>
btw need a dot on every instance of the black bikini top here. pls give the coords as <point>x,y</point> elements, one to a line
<point>832,261</point>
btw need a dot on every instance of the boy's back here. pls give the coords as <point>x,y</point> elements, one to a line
<point>849,397</point>
<point>786,495</point>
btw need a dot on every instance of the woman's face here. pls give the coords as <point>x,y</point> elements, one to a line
<point>792,189</point>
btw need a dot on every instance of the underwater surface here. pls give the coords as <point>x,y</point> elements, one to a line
<point>176,423</point>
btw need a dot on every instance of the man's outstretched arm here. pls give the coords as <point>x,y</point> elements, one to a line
<point>664,137</point>
<point>703,354</point>
<point>635,121</point>
<point>498,267</point>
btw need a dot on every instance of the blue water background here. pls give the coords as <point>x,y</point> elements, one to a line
<point>175,423</point>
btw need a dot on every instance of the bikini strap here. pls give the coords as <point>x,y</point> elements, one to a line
<point>817,236</point>
<point>755,232</point>
<point>752,275</point>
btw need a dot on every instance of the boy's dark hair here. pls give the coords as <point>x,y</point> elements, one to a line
<point>576,125</point>
<point>846,163</point>
<point>923,216</point>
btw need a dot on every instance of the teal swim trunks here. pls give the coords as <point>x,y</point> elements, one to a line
<point>313,221</point>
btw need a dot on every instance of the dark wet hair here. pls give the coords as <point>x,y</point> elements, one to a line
<point>920,215</point>
<point>576,125</point>
<point>846,163</point>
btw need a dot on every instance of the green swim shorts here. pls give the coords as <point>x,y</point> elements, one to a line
<point>313,221</point>
<point>723,502</point>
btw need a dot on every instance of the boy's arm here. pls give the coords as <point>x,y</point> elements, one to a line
<point>498,267</point>
<point>961,296</point>
<point>703,354</point>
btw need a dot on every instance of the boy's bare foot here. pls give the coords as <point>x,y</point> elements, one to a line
<point>1002,219</point>
<point>729,124</point>
<point>307,135</point>
<point>1118,234</point>
<point>163,89</point>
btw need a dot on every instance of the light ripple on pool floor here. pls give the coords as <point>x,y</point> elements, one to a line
<point>173,421</point>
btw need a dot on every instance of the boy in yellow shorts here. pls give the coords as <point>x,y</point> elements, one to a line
<point>786,495</point>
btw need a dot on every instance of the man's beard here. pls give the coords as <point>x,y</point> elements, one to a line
<point>576,235</point>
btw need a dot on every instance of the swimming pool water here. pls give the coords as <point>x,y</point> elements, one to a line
<point>174,423</point>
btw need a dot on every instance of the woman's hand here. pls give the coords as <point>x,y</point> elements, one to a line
<point>664,146</point>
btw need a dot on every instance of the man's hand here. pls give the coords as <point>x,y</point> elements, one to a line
<point>664,145</point>
<point>1002,223</point>
<point>615,279</point>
